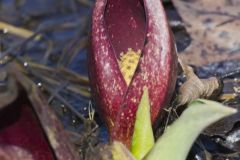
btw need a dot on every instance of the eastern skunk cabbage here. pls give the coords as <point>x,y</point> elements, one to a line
<point>131,48</point>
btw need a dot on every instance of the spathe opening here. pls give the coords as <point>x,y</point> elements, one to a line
<point>126,26</point>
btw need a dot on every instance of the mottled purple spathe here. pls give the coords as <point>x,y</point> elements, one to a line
<point>116,26</point>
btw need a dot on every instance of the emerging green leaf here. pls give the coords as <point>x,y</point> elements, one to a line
<point>143,139</point>
<point>179,137</point>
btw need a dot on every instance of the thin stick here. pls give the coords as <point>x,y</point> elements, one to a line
<point>21,32</point>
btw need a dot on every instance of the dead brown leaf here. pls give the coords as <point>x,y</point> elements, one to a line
<point>214,29</point>
<point>194,87</point>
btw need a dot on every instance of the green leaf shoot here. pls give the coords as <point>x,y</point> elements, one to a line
<point>143,139</point>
